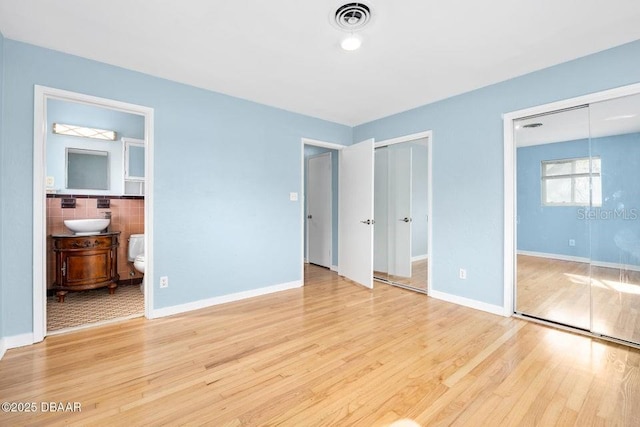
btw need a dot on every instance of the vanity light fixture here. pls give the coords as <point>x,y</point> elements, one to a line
<point>84,132</point>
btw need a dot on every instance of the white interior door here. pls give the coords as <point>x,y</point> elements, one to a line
<point>319,223</point>
<point>400,210</point>
<point>355,213</point>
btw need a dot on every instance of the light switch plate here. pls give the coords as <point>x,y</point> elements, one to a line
<point>50,181</point>
<point>293,197</point>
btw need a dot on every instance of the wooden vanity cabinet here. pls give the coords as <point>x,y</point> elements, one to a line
<point>85,262</point>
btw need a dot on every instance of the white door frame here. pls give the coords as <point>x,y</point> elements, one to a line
<point>327,155</point>
<point>510,195</point>
<point>408,138</point>
<point>315,143</point>
<point>42,94</point>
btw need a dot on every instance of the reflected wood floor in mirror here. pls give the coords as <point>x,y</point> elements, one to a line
<point>418,279</point>
<point>559,290</point>
<point>329,353</point>
<point>553,289</point>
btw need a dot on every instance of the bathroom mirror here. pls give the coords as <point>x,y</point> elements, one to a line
<point>87,169</point>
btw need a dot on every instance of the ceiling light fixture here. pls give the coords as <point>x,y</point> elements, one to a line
<point>352,17</point>
<point>351,43</point>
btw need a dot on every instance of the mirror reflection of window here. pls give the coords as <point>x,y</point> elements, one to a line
<point>87,169</point>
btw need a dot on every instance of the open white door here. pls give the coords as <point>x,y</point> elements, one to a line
<point>355,213</point>
<point>319,210</point>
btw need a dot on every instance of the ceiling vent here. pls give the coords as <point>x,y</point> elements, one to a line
<point>352,16</point>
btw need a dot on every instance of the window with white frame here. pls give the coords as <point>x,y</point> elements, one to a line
<point>568,182</point>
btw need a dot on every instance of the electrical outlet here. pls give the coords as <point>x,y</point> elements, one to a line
<point>462,274</point>
<point>572,242</point>
<point>164,282</point>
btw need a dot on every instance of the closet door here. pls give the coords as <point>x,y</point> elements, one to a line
<point>319,226</point>
<point>399,215</point>
<point>615,218</point>
<point>553,202</point>
<point>401,211</point>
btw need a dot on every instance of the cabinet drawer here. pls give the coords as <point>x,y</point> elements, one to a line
<point>85,242</point>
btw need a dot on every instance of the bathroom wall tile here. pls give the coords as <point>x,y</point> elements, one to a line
<point>127,216</point>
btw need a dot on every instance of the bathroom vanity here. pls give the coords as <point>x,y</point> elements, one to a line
<point>85,262</point>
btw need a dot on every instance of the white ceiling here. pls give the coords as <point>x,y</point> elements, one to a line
<point>286,53</point>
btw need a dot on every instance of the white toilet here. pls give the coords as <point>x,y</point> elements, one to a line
<point>136,254</point>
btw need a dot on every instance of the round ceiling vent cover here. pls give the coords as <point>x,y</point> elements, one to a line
<point>353,16</point>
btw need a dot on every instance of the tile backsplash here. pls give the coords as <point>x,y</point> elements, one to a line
<point>127,217</point>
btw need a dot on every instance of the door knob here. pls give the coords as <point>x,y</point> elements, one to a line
<point>405,219</point>
<point>368,222</point>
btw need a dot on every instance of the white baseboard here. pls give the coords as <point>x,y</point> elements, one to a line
<point>554,256</point>
<point>614,265</point>
<point>466,302</point>
<point>15,341</point>
<point>419,257</point>
<point>334,268</point>
<point>196,305</point>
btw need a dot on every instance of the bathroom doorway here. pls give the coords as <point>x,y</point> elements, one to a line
<point>90,135</point>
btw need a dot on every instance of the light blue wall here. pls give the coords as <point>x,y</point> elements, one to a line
<point>125,125</point>
<point>468,195</point>
<point>616,239</point>
<point>310,150</point>
<point>548,229</point>
<point>224,168</point>
<point>608,234</point>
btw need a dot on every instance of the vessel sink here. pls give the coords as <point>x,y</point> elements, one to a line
<point>85,227</point>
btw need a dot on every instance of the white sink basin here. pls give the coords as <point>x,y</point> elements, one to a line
<point>84,227</point>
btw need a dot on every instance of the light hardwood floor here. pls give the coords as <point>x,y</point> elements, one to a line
<point>418,279</point>
<point>331,353</point>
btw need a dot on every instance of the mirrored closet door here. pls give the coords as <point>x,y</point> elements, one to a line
<point>401,214</point>
<point>615,218</point>
<point>578,217</point>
